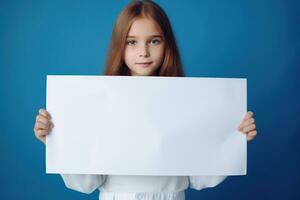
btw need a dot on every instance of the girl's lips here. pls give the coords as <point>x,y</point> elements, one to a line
<point>144,64</point>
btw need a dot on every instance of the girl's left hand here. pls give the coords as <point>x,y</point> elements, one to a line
<point>248,126</point>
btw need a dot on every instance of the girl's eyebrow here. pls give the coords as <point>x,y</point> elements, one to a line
<point>152,36</point>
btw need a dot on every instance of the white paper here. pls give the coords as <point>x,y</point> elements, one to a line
<point>135,125</point>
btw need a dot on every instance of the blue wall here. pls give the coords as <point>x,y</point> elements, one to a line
<point>259,40</point>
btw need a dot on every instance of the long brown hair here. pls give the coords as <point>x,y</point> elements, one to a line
<point>115,65</point>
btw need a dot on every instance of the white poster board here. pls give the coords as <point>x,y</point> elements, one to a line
<point>134,125</point>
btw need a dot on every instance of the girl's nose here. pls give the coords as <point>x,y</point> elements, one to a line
<point>144,52</point>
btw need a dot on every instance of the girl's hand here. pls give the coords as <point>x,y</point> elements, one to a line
<point>43,125</point>
<point>248,126</point>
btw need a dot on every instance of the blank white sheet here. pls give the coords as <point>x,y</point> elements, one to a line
<point>137,125</point>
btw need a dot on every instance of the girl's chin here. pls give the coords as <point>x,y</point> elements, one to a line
<point>141,73</point>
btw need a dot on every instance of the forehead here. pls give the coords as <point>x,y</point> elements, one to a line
<point>144,27</point>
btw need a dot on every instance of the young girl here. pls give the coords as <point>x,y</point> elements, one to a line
<point>142,44</point>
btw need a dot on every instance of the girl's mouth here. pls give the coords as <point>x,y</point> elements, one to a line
<point>143,64</point>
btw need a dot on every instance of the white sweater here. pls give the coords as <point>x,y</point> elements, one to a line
<point>117,187</point>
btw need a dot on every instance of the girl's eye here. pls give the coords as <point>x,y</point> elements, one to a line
<point>155,41</point>
<point>131,42</point>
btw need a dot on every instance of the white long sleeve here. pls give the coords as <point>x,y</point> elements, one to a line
<point>201,182</point>
<point>83,182</point>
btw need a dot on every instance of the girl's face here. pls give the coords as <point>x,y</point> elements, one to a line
<point>144,50</point>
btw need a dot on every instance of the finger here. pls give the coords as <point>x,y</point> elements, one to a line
<point>43,120</point>
<point>42,139</point>
<point>41,133</point>
<point>249,128</point>
<point>252,133</point>
<point>44,113</point>
<point>40,125</point>
<point>247,123</point>
<point>249,138</point>
<point>248,115</point>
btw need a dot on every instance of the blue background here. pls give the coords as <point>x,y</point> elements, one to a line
<point>259,40</point>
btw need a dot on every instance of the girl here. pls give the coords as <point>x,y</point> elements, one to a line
<point>142,44</point>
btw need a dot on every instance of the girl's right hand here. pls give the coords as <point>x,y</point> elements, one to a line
<point>43,125</point>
